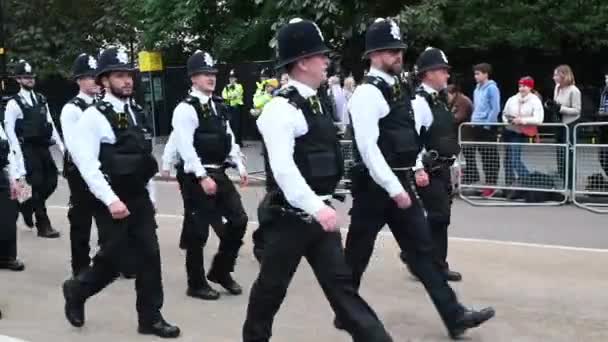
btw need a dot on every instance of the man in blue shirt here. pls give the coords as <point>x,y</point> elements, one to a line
<point>486,102</point>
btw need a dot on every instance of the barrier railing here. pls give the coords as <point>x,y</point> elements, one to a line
<point>590,186</point>
<point>500,168</point>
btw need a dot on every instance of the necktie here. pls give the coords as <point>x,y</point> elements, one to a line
<point>32,98</point>
<point>129,116</point>
<point>315,104</point>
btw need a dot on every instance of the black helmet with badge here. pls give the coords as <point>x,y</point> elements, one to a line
<point>299,39</point>
<point>113,59</point>
<point>201,62</point>
<point>23,69</point>
<point>383,34</point>
<point>432,59</point>
<point>85,65</point>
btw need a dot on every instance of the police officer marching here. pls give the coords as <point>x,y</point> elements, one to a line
<point>112,148</point>
<point>205,142</point>
<point>80,213</point>
<point>233,95</point>
<point>383,188</point>
<point>433,178</point>
<point>304,167</point>
<point>10,188</point>
<point>31,131</point>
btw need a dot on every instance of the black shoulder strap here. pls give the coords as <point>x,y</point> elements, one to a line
<point>379,83</point>
<point>423,93</point>
<point>20,103</point>
<point>40,98</point>
<point>294,98</point>
<point>220,106</point>
<point>196,103</point>
<point>80,103</point>
<point>107,110</point>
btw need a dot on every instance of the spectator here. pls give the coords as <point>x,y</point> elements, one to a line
<point>566,103</point>
<point>603,111</point>
<point>284,79</point>
<point>486,107</point>
<point>460,104</point>
<point>339,101</point>
<point>523,111</point>
<point>349,87</point>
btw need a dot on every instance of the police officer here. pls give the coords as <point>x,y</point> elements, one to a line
<point>31,131</point>
<point>80,213</point>
<point>233,95</point>
<point>305,166</point>
<point>383,187</point>
<point>433,177</point>
<point>10,186</point>
<point>112,148</point>
<point>205,142</point>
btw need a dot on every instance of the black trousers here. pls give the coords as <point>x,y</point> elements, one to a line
<point>8,225</point>
<point>137,231</point>
<point>437,200</point>
<point>372,209</point>
<point>202,211</point>
<point>80,215</point>
<point>42,176</point>
<point>287,240</point>
<point>236,123</point>
<point>490,159</point>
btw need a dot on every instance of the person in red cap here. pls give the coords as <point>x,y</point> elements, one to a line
<point>523,111</point>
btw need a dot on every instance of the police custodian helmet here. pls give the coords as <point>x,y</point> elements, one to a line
<point>113,59</point>
<point>432,59</point>
<point>299,39</point>
<point>23,69</point>
<point>201,62</point>
<point>85,65</point>
<point>383,34</point>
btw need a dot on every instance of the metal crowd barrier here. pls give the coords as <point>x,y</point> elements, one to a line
<point>590,186</point>
<point>349,159</point>
<point>486,160</point>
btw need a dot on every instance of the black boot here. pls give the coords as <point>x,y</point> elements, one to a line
<point>222,266</point>
<point>470,319</point>
<point>198,287</point>
<point>227,282</point>
<point>161,329</point>
<point>74,303</point>
<point>45,230</point>
<point>13,265</point>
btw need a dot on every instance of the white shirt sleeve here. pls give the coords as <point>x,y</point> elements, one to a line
<point>69,118</point>
<point>11,114</point>
<point>235,152</point>
<point>277,124</point>
<point>85,153</point>
<point>169,154</point>
<point>367,106</point>
<point>184,124</point>
<point>56,135</point>
<point>423,117</point>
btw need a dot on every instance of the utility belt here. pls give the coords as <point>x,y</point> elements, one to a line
<point>274,204</point>
<point>434,162</point>
<point>363,182</point>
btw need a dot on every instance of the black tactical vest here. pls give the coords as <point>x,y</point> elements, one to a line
<point>212,143</point>
<point>398,140</point>
<point>440,136</point>
<point>317,154</point>
<point>128,163</point>
<point>34,128</point>
<point>68,164</point>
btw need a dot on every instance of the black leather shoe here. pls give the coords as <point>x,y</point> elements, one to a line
<point>128,275</point>
<point>160,329</point>
<point>470,319</point>
<point>452,275</point>
<point>46,231</point>
<point>74,306</point>
<point>205,293</point>
<point>226,282</point>
<point>13,265</point>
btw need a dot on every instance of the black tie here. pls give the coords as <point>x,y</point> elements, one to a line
<point>129,117</point>
<point>315,104</point>
<point>33,98</point>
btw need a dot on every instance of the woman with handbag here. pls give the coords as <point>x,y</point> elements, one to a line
<point>523,111</point>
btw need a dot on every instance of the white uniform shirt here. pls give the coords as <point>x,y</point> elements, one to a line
<point>367,106</point>
<point>12,114</point>
<point>185,122</point>
<point>14,172</point>
<point>91,131</point>
<point>70,114</point>
<point>423,117</point>
<point>280,124</point>
<point>170,154</point>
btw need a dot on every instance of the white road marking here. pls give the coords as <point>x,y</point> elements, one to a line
<point>388,233</point>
